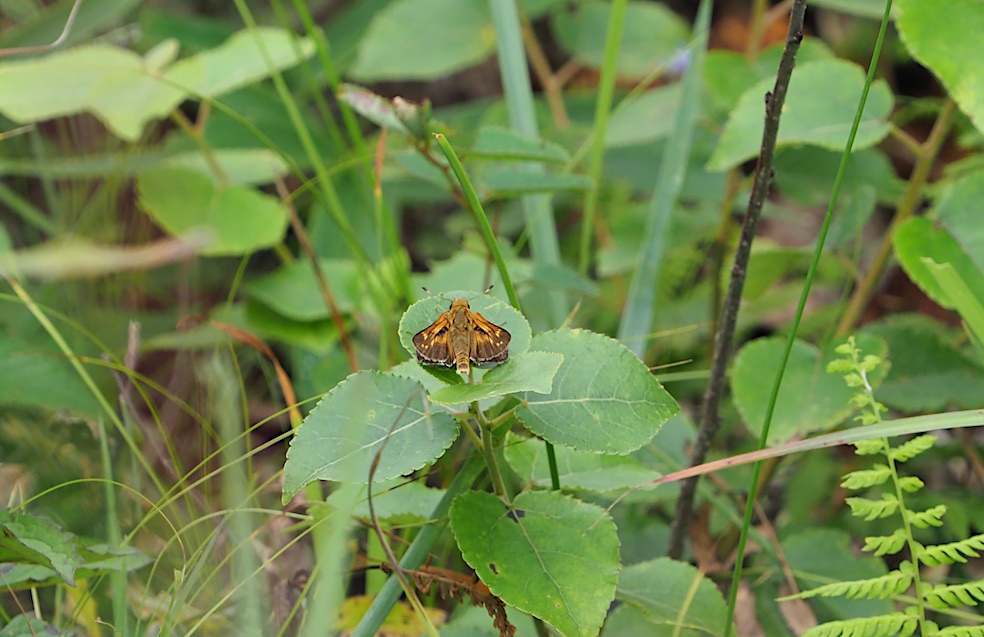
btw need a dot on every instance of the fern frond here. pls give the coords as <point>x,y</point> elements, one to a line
<point>960,631</point>
<point>942,596</point>
<point>912,448</point>
<point>925,519</point>
<point>892,583</point>
<point>873,509</point>
<point>952,552</point>
<point>910,484</point>
<point>878,474</point>
<point>869,447</point>
<point>885,544</point>
<point>880,626</point>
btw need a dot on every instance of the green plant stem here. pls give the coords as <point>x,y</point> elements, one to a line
<point>537,210</point>
<point>709,416</point>
<point>603,107</point>
<point>225,410</point>
<point>913,194</point>
<point>418,550</point>
<point>121,615</point>
<point>799,8</point>
<point>488,451</point>
<point>90,384</point>
<point>493,244</point>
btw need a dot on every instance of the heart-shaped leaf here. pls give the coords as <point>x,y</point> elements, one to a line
<point>548,554</point>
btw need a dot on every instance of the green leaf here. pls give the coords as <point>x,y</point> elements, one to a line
<point>673,595</point>
<point>919,238</point>
<point>968,305</point>
<point>645,119</point>
<point>653,35</point>
<point>603,399</point>
<point>30,626</point>
<point>548,555</point>
<point>496,142</point>
<point>819,110</point>
<point>108,82</point>
<point>443,36</point>
<point>530,371</point>
<point>33,373</point>
<point>346,429</point>
<point>578,470</point>
<point>238,219</point>
<point>958,210</point>
<point>293,291</point>
<point>28,539</point>
<point>874,9</point>
<point>929,373</point>
<point>398,501</point>
<point>244,58</point>
<point>123,89</point>
<point>810,399</point>
<point>819,556</point>
<point>504,184</point>
<point>941,35</point>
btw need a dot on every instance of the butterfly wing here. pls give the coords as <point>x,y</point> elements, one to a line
<point>431,342</point>
<point>490,343</point>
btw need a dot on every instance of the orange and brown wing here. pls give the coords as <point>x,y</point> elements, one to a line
<point>490,343</point>
<point>431,342</point>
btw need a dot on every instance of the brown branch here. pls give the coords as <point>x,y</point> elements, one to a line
<point>764,173</point>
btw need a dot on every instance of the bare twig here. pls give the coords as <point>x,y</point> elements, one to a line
<point>764,173</point>
<point>24,50</point>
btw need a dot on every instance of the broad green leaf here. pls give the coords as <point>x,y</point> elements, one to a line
<point>238,219</point>
<point>244,58</point>
<point>98,559</point>
<point>806,175</point>
<point>645,119</point>
<point>364,413</point>
<point>919,237</point>
<point>820,556</point>
<point>547,554</point>
<point>529,371</point>
<point>505,184</point>
<point>958,210</point>
<point>810,399</point>
<point>398,500</point>
<point>968,305</point>
<point>942,35</point>
<point>603,400</point>
<point>426,311</point>
<point>30,626</point>
<point>108,82</point>
<point>123,89</point>
<point>28,539</point>
<point>319,335</point>
<point>578,470</point>
<point>496,142</point>
<point>653,35</point>
<point>424,40</point>
<point>93,18</point>
<point>673,595</point>
<point>819,110</point>
<point>928,373</point>
<point>34,374</point>
<point>293,290</point>
<point>874,9</point>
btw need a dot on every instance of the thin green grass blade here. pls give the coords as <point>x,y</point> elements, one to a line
<point>603,108</point>
<point>638,313</point>
<point>537,209</point>
<point>794,327</point>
